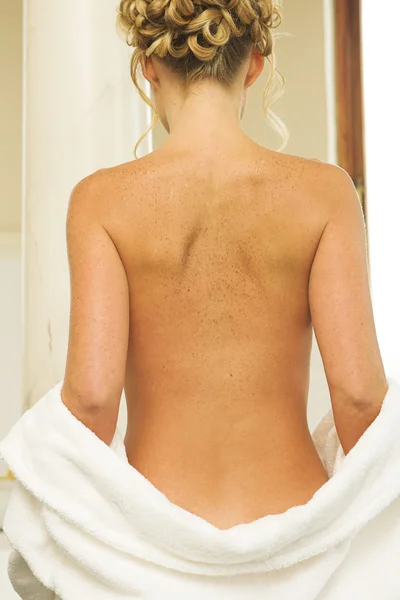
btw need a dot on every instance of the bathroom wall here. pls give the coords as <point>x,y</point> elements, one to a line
<point>382,133</point>
<point>10,114</point>
<point>305,58</point>
<point>10,344</point>
<point>80,113</point>
<point>10,223</point>
<point>304,107</point>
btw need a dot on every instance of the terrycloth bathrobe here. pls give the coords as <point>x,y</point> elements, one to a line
<point>84,524</point>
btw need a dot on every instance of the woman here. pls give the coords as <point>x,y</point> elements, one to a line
<point>198,271</point>
<point>197,275</point>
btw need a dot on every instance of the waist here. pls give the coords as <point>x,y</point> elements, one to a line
<point>229,478</point>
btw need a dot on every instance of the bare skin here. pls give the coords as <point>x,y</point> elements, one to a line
<point>230,254</point>
<point>220,339</point>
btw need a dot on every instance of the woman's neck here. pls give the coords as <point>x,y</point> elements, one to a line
<point>208,114</point>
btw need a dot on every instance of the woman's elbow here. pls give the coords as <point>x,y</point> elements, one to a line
<point>88,398</point>
<point>364,397</point>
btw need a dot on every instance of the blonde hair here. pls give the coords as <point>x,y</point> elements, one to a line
<point>201,39</point>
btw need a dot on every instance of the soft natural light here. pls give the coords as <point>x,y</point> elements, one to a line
<point>382,124</point>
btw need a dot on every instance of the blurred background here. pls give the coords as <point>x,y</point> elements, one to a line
<point>68,108</point>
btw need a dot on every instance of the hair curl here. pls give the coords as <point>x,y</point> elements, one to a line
<point>201,39</point>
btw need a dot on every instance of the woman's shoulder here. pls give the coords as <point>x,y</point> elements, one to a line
<point>106,184</point>
<point>312,164</point>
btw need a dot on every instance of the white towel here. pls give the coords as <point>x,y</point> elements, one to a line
<point>85,524</point>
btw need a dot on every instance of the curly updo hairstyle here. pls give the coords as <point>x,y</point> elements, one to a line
<point>202,39</point>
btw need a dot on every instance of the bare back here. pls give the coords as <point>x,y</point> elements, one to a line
<point>218,252</point>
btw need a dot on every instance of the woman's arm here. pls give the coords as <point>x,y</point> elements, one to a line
<point>99,317</point>
<point>342,314</point>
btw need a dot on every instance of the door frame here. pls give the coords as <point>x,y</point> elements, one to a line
<point>349,93</point>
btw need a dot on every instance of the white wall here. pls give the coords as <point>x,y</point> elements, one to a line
<point>304,106</point>
<point>81,113</point>
<point>10,223</point>
<point>382,132</point>
<point>10,343</point>
<point>10,114</point>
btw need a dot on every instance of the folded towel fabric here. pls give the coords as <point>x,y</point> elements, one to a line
<point>84,523</point>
